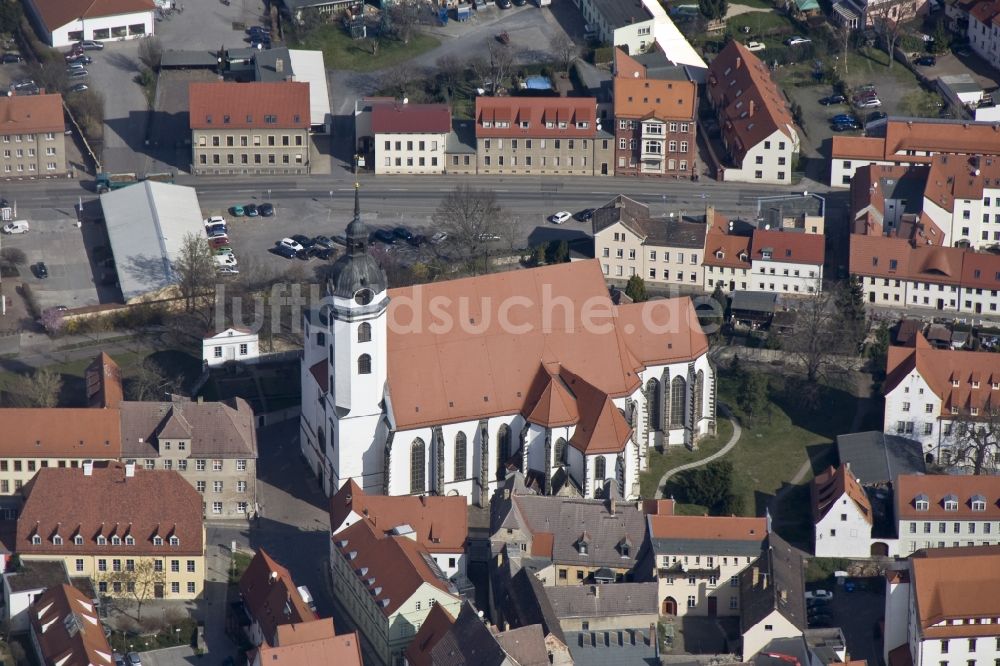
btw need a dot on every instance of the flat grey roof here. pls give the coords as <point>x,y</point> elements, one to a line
<point>205,59</point>
<point>622,647</point>
<point>755,301</point>
<point>146,224</point>
<point>37,575</point>
<point>619,13</point>
<point>792,205</point>
<point>462,138</point>
<point>877,457</point>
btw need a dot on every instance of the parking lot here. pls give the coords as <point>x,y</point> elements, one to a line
<point>857,614</point>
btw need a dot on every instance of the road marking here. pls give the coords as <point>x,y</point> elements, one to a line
<point>501,190</point>
<point>403,189</point>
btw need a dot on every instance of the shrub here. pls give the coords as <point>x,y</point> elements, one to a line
<point>603,54</point>
<point>30,302</point>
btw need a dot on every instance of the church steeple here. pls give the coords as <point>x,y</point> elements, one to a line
<point>356,270</point>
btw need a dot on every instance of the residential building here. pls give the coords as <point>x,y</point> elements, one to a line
<point>448,431</point>
<point>32,136</point>
<point>435,626</point>
<point>259,128</point>
<point>212,445</point>
<point>842,514</point>
<point>63,22</point>
<point>772,596</point>
<point>909,142</point>
<point>272,601</point>
<point>294,8</point>
<point>439,524</point>
<point>625,23</point>
<point>697,560</point>
<point>541,135</point>
<point>632,647</point>
<point>66,629</point>
<point>231,345</point>
<point>284,64</point>
<point>889,200</point>
<point>726,259</point>
<point>947,511</point>
<point>23,586</point>
<point>460,149</point>
<point>108,521</point>
<point>520,601</point>
<point>662,251</point>
<point>787,262</point>
<point>387,583</point>
<point>569,541</point>
<point>604,607</point>
<point>984,30</point>
<point>927,390</point>
<point>407,138</point>
<point>941,607</point>
<point>866,13</point>
<point>757,127</point>
<point>655,120</point>
<point>328,649</point>
<point>805,212</point>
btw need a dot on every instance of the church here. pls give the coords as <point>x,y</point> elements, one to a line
<point>444,388</point>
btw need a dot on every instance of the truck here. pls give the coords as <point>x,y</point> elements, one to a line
<point>114,181</point>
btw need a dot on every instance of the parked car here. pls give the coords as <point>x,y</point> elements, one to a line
<point>560,217</point>
<point>340,239</point>
<point>323,241</point>
<point>821,620</point>
<point>77,74</point>
<point>236,211</point>
<point>72,66</point>
<point>291,244</point>
<point>871,103</point>
<point>520,3</point>
<point>225,260</point>
<point>926,61</point>
<point>503,4</point>
<point>265,210</point>
<point>818,594</point>
<point>286,252</point>
<point>439,238</point>
<point>216,230</point>
<point>258,30</point>
<point>133,657</point>
<point>585,214</point>
<point>833,99</point>
<point>755,46</point>
<point>795,40</point>
<point>876,115</point>
<point>323,252</point>
<point>817,603</point>
<point>488,236</point>
<point>224,250</point>
<point>41,270</point>
<point>417,240</point>
<point>16,227</point>
<point>305,242</point>
<point>215,219</point>
<point>843,118</point>
<point>20,84</point>
<point>118,658</point>
<point>226,270</point>
<point>384,235</point>
<point>11,59</point>
<point>402,233</point>
<point>79,58</point>
<point>91,45</point>
<point>844,127</point>
<point>218,241</point>
<point>79,87</point>
<point>250,210</point>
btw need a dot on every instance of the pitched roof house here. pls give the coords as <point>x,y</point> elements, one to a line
<point>66,629</point>
<point>842,514</point>
<point>224,105</point>
<point>772,596</point>
<point>63,22</point>
<point>929,507</point>
<point>271,600</point>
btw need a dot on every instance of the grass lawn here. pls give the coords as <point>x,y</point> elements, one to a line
<point>869,61</point>
<point>760,24</point>
<point>239,565</point>
<point>342,52</point>
<point>674,457</point>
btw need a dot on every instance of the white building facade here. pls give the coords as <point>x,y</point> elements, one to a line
<point>768,161</point>
<point>230,345</point>
<point>61,29</point>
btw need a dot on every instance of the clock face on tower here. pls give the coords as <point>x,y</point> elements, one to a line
<point>363,296</point>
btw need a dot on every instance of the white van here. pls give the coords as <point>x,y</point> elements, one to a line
<point>16,227</point>
<point>224,260</point>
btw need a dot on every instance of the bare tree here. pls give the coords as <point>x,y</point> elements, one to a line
<point>404,16</point>
<point>151,52</point>
<point>40,389</point>
<point>888,27</point>
<point>138,582</point>
<point>817,339</point>
<point>194,269</point>
<point>396,80</point>
<point>566,50</point>
<point>450,68</point>
<point>975,440</point>
<point>151,381</point>
<point>500,62</point>
<point>471,217</point>
<point>49,75</point>
<point>481,68</point>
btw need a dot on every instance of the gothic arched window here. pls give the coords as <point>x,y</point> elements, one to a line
<point>417,454</point>
<point>364,364</point>
<point>677,390</point>
<point>365,332</point>
<point>600,468</point>
<point>460,457</point>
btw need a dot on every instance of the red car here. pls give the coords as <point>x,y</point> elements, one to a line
<point>218,241</point>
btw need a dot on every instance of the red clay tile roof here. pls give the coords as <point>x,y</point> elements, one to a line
<point>663,507</point>
<point>873,256</point>
<point>960,177</point>
<point>986,12</point>
<point>858,147</point>
<point>602,428</point>
<point>411,118</point>
<point>57,13</point>
<point>751,104</point>
<point>627,67</point>
<point>248,105</point>
<point>343,650</point>
<point>64,501</point>
<point>726,250</point>
<point>431,381</point>
<point>537,112</point>
<point>960,587</point>
<point>910,140</point>
<point>790,247</point>
<point>396,565</point>
<point>937,487</point>
<point>271,596</point>
<point>305,632</point>
<point>437,623</point>
<point>728,528</point>
<point>104,382</point>
<point>441,523</point>
<point>61,432</point>
<point>550,402</point>
<point>654,98</point>
<point>829,486</point>
<point>76,642</point>
<point>31,114</point>
<point>541,544</point>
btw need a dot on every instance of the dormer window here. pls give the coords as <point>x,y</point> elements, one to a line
<point>950,503</point>
<point>101,541</point>
<point>157,541</point>
<point>974,411</point>
<point>719,254</point>
<point>174,541</point>
<point>129,540</point>
<point>116,540</point>
<point>954,383</point>
<point>922,503</point>
<point>36,540</point>
<point>978,503</point>
<point>582,547</point>
<point>766,253</point>
<point>78,540</point>
<point>975,385</point>
<point>583,544</point>
<point>57,540</point>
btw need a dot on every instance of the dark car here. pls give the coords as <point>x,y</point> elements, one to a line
<point>79,58</point>
<point>843,118</point>
<point>402,233</point>
<point>41,270</point>
<point>877,115</point>
<point>340,239</point>
<point>520,3</point>
<point>503,4</point>
<point>258,30</point>
<point>845,127</point>
<point>384,235</point>
<point>305,241</point>
<point>816,604</point>
<point>821,620</point>
<point>11,59</point>
<point>250,210</point>
<point>265,210</point>
<point>584,215</point>
<point>417,240</point>
<point>283,251</point>
<point>323,252</point>
<point>323,241</point>
<point>926,61</point>
<point>260,41</point>
<point>833,99</point>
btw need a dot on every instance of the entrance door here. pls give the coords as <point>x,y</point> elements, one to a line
<point>871,296</point>
<point>940,304</point>
<point>604,168</point>
<point>669,606</point>
<point>979,308</point>
<point>158,590</point>
<point>712,606</point>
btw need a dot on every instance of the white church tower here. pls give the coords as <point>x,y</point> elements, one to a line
<point>340,430</point>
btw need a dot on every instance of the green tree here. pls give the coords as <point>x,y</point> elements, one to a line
<point>711,487</point>
<point>850,303</point>
<point>636,289</point>
<point>541,250</point>
<point>39,389</point>
<point>10,15</point>
<point>878,351</point>
<point>753,395</point>
<point>942,38</point>
<point>560,253</point>
<point>713,10</point>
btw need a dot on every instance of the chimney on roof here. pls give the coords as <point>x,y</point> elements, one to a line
<point>756,576</point>
<point>88,467</point>
<point>279,65</point>
<point>652,632</point>
<point>612,503</point>
<point>739,62</point>
<point>273,577</point>
<point>596,589</point>
<point>129,470</point>
<point>750,113</point>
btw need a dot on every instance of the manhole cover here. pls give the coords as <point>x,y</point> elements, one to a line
<point>238,25</point>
